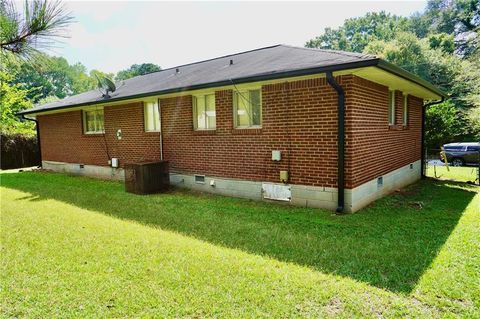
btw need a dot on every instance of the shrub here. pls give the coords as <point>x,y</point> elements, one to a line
<point>18,150</point>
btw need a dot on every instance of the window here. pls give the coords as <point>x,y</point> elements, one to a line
<point>391,107</point>
<point>93,122</point>
<point>204,112</point>
<point>405,110</point>
<point>152,117</point>
<point>248,109</point>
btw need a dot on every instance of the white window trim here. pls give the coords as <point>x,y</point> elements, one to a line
<point>405,110</point>
<point>391,104</point>
<point>84,118</point>
<point>145,116</point>
<point>244,91</point>
<point>194,111</point>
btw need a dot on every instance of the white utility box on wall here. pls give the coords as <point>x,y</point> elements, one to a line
<point>276,155</point>
<point>114,162</point>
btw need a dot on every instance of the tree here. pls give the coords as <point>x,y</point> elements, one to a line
<point>96,73</point>
<point>355,34</point>
<point>460,18</point>
<point>40,24</point>
<point>22,35</point>
<point>459,78</point>
<point>442,41</point>
<point>137,69</point>
<point>454,17</point>
<point>443,124</point>
<point>13,99</point>
<point>54,76</point>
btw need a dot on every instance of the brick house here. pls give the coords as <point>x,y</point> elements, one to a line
<point>315,128</point>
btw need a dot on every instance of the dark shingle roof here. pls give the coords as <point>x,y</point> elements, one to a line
<point>264,63</point>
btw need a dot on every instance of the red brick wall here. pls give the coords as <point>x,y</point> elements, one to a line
<point>375,148</point>
<point>136,145</point>
<point>299,119</point>
<point>63,140</point>
<point>298,116</point>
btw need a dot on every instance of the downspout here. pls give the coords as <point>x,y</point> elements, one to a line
<point>37,127</point>
<point>341,141</point>
<point>424,110</point>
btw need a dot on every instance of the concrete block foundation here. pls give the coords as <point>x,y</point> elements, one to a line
<point>301,195</point>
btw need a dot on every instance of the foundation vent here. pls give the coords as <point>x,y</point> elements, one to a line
<point>380,182</point>
<point>277,192</point>
<point>200,179</point>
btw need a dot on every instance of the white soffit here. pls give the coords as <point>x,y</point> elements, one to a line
<point>395,82</point>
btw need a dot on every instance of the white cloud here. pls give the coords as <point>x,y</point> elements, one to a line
<point>97,10</point>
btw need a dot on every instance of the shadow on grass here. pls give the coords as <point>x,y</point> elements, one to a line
<point>388,245</point>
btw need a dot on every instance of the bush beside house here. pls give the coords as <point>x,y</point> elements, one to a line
<point>18,150</point>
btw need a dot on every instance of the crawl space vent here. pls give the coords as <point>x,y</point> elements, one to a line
<point>277,192</point>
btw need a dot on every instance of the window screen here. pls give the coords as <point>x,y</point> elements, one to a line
<point>204,116</point>
<point>405,110</point>
<point>152,117</point>
<point>248,108</point>
<point>93,121</point>
<point>391,107</point>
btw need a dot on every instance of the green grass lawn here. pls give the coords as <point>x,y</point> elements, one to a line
<point>78,247</point>
<point>461,174</point>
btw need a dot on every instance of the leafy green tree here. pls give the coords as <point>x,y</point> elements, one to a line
<point>420,25</point>
<point>443,124</point>
<point>459,78</point>
<point>13,99</point>
<point>460,18</point>
<point>26,76</point>
<point>53,77</point>
<point>473,116</point>
<point>454,17</point>
<point>137,69</point>
<point>25,84</point>
<point>80,79</point>
<point>356,33</point>
<point>96,73</point>
<point>442,41</point>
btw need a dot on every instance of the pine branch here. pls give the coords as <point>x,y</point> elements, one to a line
<point>40,25</point>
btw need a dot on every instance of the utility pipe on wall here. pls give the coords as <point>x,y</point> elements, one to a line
<point>341,141</point>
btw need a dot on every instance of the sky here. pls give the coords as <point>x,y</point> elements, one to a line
<point>111,36</point>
